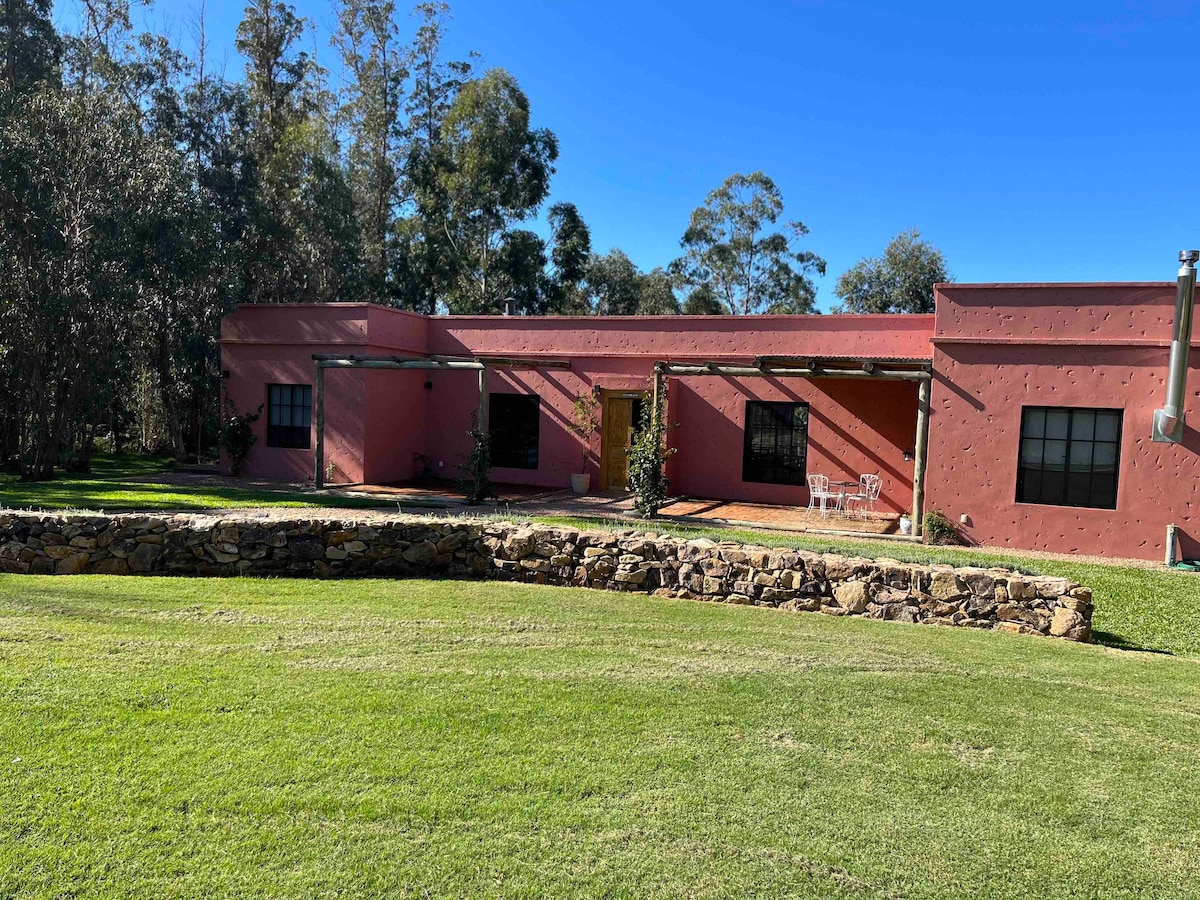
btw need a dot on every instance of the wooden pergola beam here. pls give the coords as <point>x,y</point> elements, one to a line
<point>516,362</point>
<point>766,371</point>
<point>396,362</point>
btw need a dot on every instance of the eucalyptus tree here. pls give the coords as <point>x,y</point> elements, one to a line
<point>570,251</point>
<point>494,171</point>
<point>423,268</point>
<point>302,240</point>
<point>731,249</point>
<point>376,65</point>
<point>520,274</point>
<point>656,294</point>
<point>900,281</point>
<point>612,284</point>
<point>84,195</point>
<point>701,301</point>
<point>30,48</point>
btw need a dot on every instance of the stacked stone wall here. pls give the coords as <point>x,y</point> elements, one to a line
<point>992,598</point>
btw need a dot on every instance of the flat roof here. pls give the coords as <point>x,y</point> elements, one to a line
<point>1073,285</point>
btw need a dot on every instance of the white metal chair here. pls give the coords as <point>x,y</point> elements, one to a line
<point>867,495</point>
<point>818,492</point>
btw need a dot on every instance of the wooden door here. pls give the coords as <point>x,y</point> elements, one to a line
<point>617,437</point>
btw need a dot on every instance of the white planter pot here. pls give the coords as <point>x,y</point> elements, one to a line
<point>580,483</point>
<point>905,525</point>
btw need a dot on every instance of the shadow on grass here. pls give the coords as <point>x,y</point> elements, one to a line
<point>1117,642</point>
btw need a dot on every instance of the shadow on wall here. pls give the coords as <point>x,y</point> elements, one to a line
<point>1187,546</point>
<point>856,428</point>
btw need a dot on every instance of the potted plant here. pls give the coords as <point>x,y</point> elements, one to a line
<point>582,424</point>
<point>905,523</point>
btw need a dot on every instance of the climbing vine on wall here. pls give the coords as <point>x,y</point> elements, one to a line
<point>648,461</point>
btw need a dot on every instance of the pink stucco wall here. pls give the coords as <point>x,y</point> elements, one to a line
<point>683,337</point>
<point>1001,347</point>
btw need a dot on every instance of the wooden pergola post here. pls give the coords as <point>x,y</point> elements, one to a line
<point>319,474</point>
<point>921,455</point>
<point>656,390</point>
<point>482,416</point>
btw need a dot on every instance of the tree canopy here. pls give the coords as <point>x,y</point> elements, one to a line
<point>732,252</point>
<point>900,281</point>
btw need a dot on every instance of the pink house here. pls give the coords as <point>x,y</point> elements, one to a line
<point>1040,403</point>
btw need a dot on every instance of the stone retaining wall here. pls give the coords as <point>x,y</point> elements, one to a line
<point>627,561</point>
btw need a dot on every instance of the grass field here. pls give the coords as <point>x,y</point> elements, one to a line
<point>107,487</point>
<point>193,738</point>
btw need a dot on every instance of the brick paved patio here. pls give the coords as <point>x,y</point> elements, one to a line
<point>532,501</point>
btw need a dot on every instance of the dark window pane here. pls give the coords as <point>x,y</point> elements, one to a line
<point>1031,452</point>
<point>1054,486</point>
<point>513,423</point>
<point>775,443</point>
<point>1104,459</point>
<point>1108,426</point>
<point>1081,456</point>
<point>1083,425</point>
<point>1034,425</point>
<point>1078,489</point>
<point>1104,491</point>
<point>1054,456</point>
<point>1030,481</point>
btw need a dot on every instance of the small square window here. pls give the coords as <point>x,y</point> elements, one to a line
<point>1069,457</point>
<point>289,415</point>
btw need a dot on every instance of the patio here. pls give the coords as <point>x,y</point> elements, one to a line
<point>618,505</point>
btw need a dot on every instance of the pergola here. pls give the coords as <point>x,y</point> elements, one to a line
<point>479,364</point>
<point>866,368</point>
<point>862,368</point>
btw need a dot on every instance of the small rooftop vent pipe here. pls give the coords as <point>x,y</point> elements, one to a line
<point>510,306</point>
<point>1168,421</point>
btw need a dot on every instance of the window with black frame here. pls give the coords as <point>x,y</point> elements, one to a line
<point>1069,457</point>
<point>289,415</point>
<point>513,426</point>
<point>776,442</point>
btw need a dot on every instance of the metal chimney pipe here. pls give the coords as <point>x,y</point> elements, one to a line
<point>1169,421</point>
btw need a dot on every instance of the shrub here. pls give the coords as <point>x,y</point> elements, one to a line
<point>940,530</point>
<point>476,482</point>
<point>237,437</point>
<point>583,422</point>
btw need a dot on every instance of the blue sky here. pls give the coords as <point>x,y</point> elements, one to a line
<point>1030,142</point>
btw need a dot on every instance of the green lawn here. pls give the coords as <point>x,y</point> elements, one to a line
<point>107,487</point>
<point>196,738</point>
